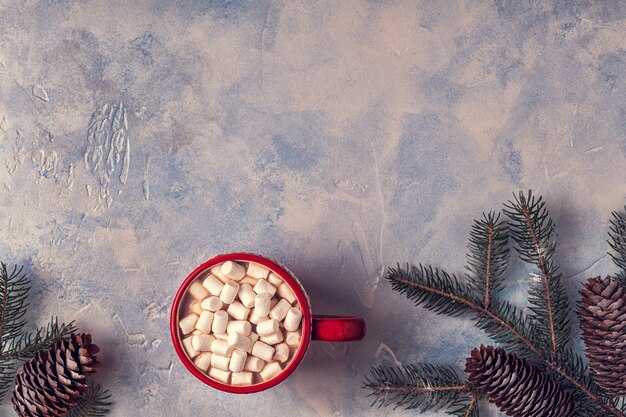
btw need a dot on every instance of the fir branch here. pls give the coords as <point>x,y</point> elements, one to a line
<point>441,293</point>
<point>510,328</point>
<point>488,256</point>
<point>25,346</point>
<point>436,290</point>
<point>574,365</point>
<point>534,233</point>
<point>617,241</point>
<point>93,404</point>
<point>14,287</point>
<point>7,371</point>
<point>465,408</point>
<point>423,386</point>
<point>446,295</point>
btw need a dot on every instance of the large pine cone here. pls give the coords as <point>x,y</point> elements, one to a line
<point>54,380</point>
<point>602,311</point>
<point>517,387</point>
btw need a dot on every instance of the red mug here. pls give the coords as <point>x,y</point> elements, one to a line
<point>314,327</point>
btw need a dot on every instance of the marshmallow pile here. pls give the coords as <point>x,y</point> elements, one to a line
<point>241,324</point>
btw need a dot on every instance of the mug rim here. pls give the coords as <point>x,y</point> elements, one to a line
<point>285,275</point>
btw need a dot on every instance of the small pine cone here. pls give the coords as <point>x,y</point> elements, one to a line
<point>54,380</point>
<point>602,310</point>
<point>517,387</point>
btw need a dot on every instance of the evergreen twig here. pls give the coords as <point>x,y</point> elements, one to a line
<point>424,387</point>
<point>488,256</point>
<point>14,287</point>
<point>26,345</point>
<point>17,345</point>
<point>573,364</point>
<point>543,335</point>
<point>437,290</point>
<point>7,371</point>
<point>534,233</point>
<point>417,289</point>
<point>509,327</point>
<point>95,403</point>
<point>617,241</point>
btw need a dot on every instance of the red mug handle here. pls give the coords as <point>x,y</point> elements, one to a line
<point>337,328</point>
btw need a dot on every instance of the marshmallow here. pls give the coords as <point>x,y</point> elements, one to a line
<point>267,327</point>
<point>241,378</point>
<point>220,362</point>
<point>273,339</point>
<point>293,339</point>
<point>257,271</point>
<point>211,304</point>
<point>217,272</point>
<point>229,292</point>
<point>221,347</point>
<point>282,352</point>
<point>197,291</point>
<point>233,270</point>
<point>292,319</point>
<point>220,321</point>
<point>264,287</point>
<point>248,280</point>
<point>253,338</point>
<point>191,352</point>
<point>238,311</point>
<point>202,342</point>
<point>194,307</point>
<point>255,319</point>
<point>254,364</point>
<point>279,311</point>
<point>246,295</point>
<point>213,285</point>
<point>204,322</point>
<point>238,341</point>
<point>284,290</point>
<point>188,324</point>
<point>203,361</point>
<point>239,326</point>
<point>274,279</point>
<point>270,371</point>
<point>222,336</point>
<point>219,375</point>
<point>237,361</point>
<point>263,351</point>
<point>262,304</point>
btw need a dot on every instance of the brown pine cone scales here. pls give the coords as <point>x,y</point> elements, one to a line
<point>54,380</point>
<point>602,310</point>
<point>517,387</point>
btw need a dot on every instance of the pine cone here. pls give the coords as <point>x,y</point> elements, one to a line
<point>602,311</point>
<point>517,387</point>
<point>54,380</point>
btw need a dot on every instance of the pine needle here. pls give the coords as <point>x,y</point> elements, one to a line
<point>541,336</point>
<point>508,326</point>
<point>27,345</point>
<point>488,256</point>
<point>14,287</point>
<point>95,403</point>
<point>436,290</point>
<point>7,371</point>
<point>421,386</point>
<point>534,233</point>
<point>617,241</point>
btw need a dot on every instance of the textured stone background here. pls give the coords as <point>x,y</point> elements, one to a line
<point>138,139</point>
